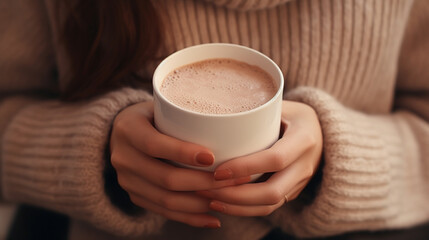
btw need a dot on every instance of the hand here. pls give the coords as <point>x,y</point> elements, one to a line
<point>293,159</point>
<point>136,149</point>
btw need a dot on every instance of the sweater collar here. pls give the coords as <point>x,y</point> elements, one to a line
<point>246,5</point>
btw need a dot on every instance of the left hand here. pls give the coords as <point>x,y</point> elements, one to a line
<point>293,160</point>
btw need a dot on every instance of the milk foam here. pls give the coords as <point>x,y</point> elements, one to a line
<point>218,86</point>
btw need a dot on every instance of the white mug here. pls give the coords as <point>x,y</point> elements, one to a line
<point>226,135</point>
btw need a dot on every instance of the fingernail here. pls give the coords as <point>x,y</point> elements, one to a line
<point>243,180</point>
<point>212,225</point>
<point>223,174</point>
<point>204,158</point>
<point>217,206</point>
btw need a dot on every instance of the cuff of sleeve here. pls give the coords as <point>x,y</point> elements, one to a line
<point>353,193</point>
<point>8,108</point>
<point>53,157</point>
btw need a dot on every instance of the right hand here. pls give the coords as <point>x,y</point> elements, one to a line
<point>136,148</point>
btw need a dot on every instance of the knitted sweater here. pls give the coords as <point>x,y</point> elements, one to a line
<point>362,65</point>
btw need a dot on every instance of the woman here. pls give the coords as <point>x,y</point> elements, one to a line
<point>76,118</point>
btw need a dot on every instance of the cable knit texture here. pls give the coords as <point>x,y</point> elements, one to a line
<point>54,157</point>
<point>245,5</point>
<point>371,172</point>
<point>362,65</point>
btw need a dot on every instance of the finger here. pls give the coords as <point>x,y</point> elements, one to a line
<point>286,150</point>
<point>166,175</point>
<point>158,145</point>
<point>269,192</point>
<point>142,135</point>
<point>240,210</point>
<point>192,219</point>
<point>172,200</point>
<point>260,210</point>
<point>294,192</point>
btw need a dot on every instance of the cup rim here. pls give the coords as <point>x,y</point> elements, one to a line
<point>214,115</point>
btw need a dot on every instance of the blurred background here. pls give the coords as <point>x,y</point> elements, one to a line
<point>7,212</point>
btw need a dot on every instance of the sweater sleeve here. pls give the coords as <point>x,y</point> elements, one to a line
<point>53,157</point>
<point>52,154</point>
<point>375,173</point>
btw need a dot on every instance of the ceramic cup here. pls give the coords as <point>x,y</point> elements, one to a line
<point>227,135</point>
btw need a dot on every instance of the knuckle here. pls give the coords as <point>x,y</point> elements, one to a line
<point>120,125</point>
<point>150,146</point>
<point>168,202</point>
<point>278,160</point>
<point>268,210</point>
<point>116,161</point>
<point>169,181</point>
<point>308,172</point>
<point>274,196</point>
<point>135,200</point>
<point>122,183</point>
<point>309,139</point>
<point>182,152</point>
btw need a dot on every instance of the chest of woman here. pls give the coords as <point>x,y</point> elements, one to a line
<point>347,48</point>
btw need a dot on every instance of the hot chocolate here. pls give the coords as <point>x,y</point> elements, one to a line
<point>218,86</point>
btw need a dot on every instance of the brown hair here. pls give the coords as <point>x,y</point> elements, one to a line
<point>107,41</point>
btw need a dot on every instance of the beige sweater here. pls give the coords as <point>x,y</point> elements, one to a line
<point>362,65</point>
